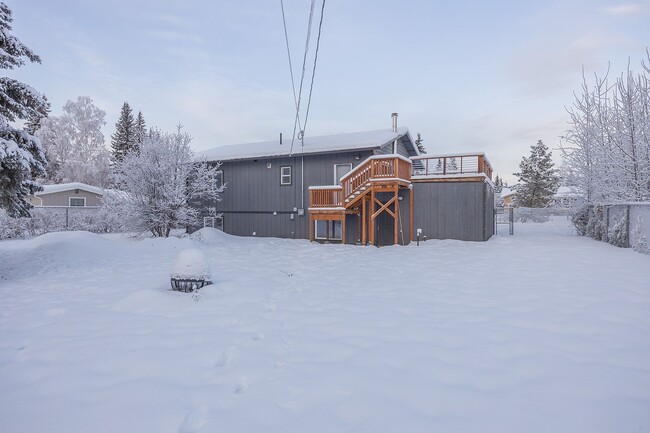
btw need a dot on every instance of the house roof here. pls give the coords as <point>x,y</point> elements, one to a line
<point>313,145</point>
<point>507,192</point>
<point>50,189</point>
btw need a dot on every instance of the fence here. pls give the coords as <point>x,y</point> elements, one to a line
<point>625,225</point>
<point>504,216</point>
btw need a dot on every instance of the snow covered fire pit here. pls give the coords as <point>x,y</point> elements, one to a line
<point>191,271</point>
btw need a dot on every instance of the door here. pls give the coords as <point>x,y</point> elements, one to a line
<point>340,170</point>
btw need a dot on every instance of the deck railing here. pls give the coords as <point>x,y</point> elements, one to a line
<point>452,165</point>
<point>375,168</point>
<point>325,197</point>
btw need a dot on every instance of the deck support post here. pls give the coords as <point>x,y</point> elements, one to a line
<point>372,218</point>
<point>364,217</point>
<point>311,228</point>
<point>396,217</point>
<point>411,214</point>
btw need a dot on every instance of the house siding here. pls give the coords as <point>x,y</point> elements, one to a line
<point>453,210</point>
<point>62,198</point>
<point>253,193</point>
<point>388,149</point>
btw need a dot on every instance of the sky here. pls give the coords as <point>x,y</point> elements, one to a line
<point>468,75</point>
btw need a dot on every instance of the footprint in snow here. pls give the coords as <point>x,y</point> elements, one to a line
<point>194,420</point>
<point>242,385</point>
<point>259,336</point>
<point>226,357</point>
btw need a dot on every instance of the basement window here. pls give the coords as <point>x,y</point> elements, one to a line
<point>285,175</point>
<point>214,222</point>
<point>328,230</point>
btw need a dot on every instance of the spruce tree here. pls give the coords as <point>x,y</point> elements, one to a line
<point>538,179</point>
<point>498,184</point>
<point>22,159</point>
<point>123,140</point>
<point>140,131</point>
<point>418,143</point>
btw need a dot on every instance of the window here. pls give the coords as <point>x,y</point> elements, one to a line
<point>214,222</point>
<point>285,175</point>
<point>328,230</point>
<point>77,201</point>
<point>339,171</point>
<point>218,179</point>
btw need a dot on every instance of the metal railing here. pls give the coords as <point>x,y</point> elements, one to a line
<point>452,165</point>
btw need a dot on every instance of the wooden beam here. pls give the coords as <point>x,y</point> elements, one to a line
<point>396,217</point>
<point>372,220</point>
<point>411,214</point>
<point>385,205</point>
<point>311,228</point>
<point>343,230</point>
<point>364,216</point>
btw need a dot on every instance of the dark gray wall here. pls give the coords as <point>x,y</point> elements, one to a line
<point>253,193</point>
<point>453,210</point>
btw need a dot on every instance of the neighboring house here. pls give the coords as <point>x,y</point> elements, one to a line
<point>508,196</point>
<point>73,194</point>
<point>368,187</point>
<point>565,197</point>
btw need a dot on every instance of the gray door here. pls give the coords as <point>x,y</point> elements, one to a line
<point>339,171</point>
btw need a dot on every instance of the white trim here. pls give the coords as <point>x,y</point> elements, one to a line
<point>326,208</point>
<point>283,176</point>
<point>76,198</point>
<point>325,187</point>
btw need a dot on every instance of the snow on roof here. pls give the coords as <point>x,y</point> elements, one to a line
<point>49,189</point>
<point>506,192</point>
<point>322,144</point>
<point>566,191</point>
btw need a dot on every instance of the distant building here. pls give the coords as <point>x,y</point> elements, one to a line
<point>73,194</point>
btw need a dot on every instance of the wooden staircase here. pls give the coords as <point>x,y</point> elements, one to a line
<point>357,194</point>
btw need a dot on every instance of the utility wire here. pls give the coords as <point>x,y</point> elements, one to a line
<point>313,72</point>
<point>286,39</point>
<point>302,76</point>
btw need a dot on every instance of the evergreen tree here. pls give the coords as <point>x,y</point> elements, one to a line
<point>538,179</point>
<point>498,184</point>
<point>22,159</point>
<point>140,131</point>
<point>123,140</point>
<point>33,122</point>
<point>418,143</point>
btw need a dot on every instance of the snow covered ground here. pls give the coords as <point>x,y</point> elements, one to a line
<point>540,332</point>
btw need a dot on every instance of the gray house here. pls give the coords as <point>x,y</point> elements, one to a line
<point>369,187</point>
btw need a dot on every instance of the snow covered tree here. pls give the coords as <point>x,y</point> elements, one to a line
<point>159,184</point>
<point>418,143</point>
<point>538,179</point>
<point>22,159</point>
<point>74,144</point>
<point>123,140</point>
<point>607,147</point>
<point>140,131</point>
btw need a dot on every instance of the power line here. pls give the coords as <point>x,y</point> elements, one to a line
<point>313,72</point>
<point>302,76</point>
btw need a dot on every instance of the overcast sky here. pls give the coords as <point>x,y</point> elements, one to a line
<point>492,76</point>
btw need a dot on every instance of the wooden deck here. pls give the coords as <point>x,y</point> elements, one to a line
<point>359,189</point>
<point>357,194</point>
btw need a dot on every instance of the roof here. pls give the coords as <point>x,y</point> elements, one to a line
<point>313,145</point>
<point>50,189</point>
<point>506,192</point>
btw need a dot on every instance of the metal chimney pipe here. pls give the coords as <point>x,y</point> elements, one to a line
<point>394,116</point>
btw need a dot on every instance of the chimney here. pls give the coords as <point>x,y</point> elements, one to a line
<point>394,116</point>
